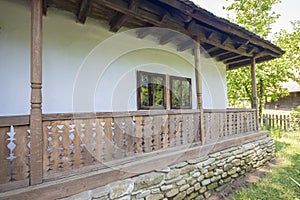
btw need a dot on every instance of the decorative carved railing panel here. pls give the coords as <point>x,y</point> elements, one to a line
<point>14,156</point>
<point>73,144</point>
<point>222,123</point>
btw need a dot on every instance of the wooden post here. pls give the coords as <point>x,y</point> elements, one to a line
<point>199,88</point>
<point>254,90</point>
<point>36,132</point>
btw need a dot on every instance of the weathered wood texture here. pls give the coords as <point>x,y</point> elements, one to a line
<point>77,146</point>
<point>14,157</point>
<point>73,144</point>
<point>219,124</point>
<point>36,93</point>
<point>280,121</point>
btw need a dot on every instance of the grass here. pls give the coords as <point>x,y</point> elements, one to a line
<point>283,182</point>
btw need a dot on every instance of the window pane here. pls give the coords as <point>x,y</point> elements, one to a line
<point>144,90</point>
<point>158,91</point>
<point>186,93</point>
<point>176,93</point>
<point>181,92</point>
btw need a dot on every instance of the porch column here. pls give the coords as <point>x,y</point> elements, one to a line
<point>254,90</point>
<point>36,133</point>
<point>199,88</point>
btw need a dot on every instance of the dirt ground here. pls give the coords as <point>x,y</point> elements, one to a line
<point>245,181</point>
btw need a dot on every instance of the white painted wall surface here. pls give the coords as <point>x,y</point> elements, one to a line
<point>86,68</point>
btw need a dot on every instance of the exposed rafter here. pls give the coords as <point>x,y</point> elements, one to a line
<point>209,35</point>
<point>223,25</point>
<point>227,56</point>
<point>223,40</point>
<point>237,60</point>
<point>217,53</point>
<point>45,7</point>
<point>117,22</point>
<point>84,9</point>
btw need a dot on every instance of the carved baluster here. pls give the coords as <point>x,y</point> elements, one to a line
<point>152,137</point>
<point>82,144</point>
<point>123,138</point>
<point>28,155</point>
<point>11,146</point>
<point>72,146</point>
<point>49,148</point>
<point>94,143</point>
<point>102,156</point>
<point>60,145</point>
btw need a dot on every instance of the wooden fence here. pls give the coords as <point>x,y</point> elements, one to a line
<point>91,142</point>
<point>282,121</point>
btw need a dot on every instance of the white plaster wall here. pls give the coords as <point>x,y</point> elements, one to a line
<point>87,68</point>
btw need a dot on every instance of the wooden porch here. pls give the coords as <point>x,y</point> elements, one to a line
<point>74,145</point>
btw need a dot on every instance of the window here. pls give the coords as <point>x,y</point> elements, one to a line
<point>180,92</point>
<point>155,93</point>
<point>151,91</point>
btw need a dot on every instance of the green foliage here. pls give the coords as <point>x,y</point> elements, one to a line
<point>283,181</point>
<point>257,16</point>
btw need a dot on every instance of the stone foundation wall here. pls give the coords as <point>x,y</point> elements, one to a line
<point>193,179</point>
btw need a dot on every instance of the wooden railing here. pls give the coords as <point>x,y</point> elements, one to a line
<point>75,144</point>
<point>222,123</point>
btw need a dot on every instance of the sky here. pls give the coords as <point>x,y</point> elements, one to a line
<point>288,9</point>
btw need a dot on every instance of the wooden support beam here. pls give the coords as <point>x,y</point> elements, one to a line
<point>197,56</point>
<point>45,7</point>
<point>168,37</point>
<point>185,45</point>
<point>119,19</point>
<point>36,131</point>
<point>227,56</point>
<point>217,52</point>
<point>222,25</point>
<point>195,28</point>
<point>254,89</point>
<point>224,39</point>
<point>209,35</point>
<point>117,22</point>
<point>84,10</point>
<point>237,60</point>
<point>238,46</point>
<point>251,50</point>
<point>214,48</point>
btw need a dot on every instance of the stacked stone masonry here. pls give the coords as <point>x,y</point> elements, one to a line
<point>193,179</point>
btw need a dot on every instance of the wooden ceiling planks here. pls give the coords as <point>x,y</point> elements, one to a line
<point>223,40</point>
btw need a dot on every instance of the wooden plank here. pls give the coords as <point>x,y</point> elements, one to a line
<point>77,116</point>
<point>5,172</point>
<point>84,10</point>
<point>36,145</point>
<point>139,135</point>
<point>14,185</point>
<point>117,22</point>
<point>6,121</point>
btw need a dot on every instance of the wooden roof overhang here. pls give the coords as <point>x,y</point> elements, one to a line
<point>223,40</point>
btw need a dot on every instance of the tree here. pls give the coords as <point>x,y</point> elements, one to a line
<point>257,17</point>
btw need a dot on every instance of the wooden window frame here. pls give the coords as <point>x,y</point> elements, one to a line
<point>139,96</point>
<point>171,93</point>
